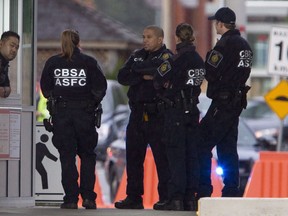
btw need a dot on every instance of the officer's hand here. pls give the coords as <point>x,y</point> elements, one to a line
<point>5,91</point>
<point>148,77</point>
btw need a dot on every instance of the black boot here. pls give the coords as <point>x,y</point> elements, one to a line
<point>89,204</point>
<point>190,205</point>
<point>174,205</point>
<point>129,203</point>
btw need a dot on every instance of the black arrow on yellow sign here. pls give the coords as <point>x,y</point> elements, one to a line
<point>282,98</point>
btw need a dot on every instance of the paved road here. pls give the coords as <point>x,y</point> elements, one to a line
<point>52,211</point>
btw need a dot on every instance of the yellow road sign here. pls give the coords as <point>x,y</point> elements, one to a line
<point>277,99</point>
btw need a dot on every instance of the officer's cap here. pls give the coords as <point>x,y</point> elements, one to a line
<point>225,15</point>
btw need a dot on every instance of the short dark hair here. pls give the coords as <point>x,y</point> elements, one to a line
<point>229,26</point>
<point>158,30</point>
<point>8,34</point>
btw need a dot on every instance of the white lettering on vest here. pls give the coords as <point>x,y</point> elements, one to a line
<point>73,77</point>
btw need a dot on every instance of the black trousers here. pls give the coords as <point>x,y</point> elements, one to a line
<point>219,128</point>
<point>75,134</point>
<point>139,135</point>
<point>181,136</point>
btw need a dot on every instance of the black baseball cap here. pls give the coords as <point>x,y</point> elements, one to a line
<point>225,15</point>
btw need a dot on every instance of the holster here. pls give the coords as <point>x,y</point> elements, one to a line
<point>48,124</point>
<point>98,114</point>
<point>51,105</point>
<point>244,92</point>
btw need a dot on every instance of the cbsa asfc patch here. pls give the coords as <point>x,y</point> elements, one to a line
<point>215,58</point>
<point>164,68</point>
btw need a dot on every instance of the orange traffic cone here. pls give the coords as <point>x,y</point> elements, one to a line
<point>150,182</point>
<point>121,192</point>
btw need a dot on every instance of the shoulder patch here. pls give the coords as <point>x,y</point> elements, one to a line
<point>164,68</point>
<point>165,56</point>
<point>215,58</point>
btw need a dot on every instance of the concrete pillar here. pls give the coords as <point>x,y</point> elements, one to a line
<point>166,21</point>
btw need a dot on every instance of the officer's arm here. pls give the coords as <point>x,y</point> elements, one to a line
<point>214,63</point>
<point>196,71</point>
<point>46,81</point>
<point>146,67</point>
<point>164,74</point>
<point>5,91</point>
<point>127,76</point>
<point>99,82</point>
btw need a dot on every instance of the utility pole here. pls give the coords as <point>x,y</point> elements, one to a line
<point>166,21</point>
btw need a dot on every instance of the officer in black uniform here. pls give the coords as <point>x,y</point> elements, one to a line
<point>74,84</point>
<point>9,45</point>
<point>146,122</point>
<point>228,67</point>
<point>181,128</point>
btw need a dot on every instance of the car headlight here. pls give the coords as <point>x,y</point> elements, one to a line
<point>272,132</point>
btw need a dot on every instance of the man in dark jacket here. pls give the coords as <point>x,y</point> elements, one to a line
<point>146,122</point>
<point>9,45</point>
<point>228,67</point>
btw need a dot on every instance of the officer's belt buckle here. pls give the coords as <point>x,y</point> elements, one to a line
<point>73,104</point>
<point>150,107</point>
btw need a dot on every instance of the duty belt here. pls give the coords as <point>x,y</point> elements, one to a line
<point>149,107</point>
<point>74,104</point>
<point>179,103</point>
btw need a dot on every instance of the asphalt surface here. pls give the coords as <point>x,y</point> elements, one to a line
<point>53,211</point>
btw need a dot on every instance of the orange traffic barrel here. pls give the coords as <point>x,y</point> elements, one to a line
<point>269,176</point>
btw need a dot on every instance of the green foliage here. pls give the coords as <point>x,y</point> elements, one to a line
<point>113,74</point>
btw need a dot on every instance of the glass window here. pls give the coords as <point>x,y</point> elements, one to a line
<point>27,53</point>
<point>13,69</point>
<point>259,45</point>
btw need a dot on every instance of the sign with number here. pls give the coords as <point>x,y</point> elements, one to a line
<point>278,51</point>
<point>277,99</point>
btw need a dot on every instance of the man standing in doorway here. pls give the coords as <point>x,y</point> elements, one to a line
<point>9,45</point>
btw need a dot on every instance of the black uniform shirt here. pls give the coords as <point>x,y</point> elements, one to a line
<point>228,64</point>
<point>4,78</point>
<point>79,79</point>
<point>139,64</point>
<point>187,72</point>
